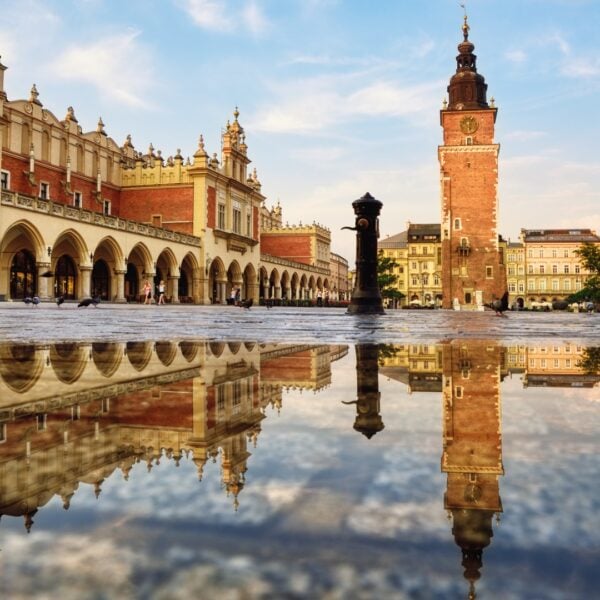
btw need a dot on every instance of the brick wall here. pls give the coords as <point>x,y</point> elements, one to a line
<point>211,208</point>
<point>174,205</point>
<point>291,246</point>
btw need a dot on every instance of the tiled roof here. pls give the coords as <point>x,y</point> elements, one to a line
<point>394,241</point>
<point>559,235</point>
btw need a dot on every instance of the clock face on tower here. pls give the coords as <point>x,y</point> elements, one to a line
<point>469,124</point>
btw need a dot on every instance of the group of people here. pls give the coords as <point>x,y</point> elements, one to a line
<point>147,291</point>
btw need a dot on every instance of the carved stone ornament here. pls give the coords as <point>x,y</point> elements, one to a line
<point>29,108</point>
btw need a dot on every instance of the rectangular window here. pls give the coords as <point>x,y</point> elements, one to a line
<point>106,207</point>
<point>568,363</point>
<point>567,285</point>
<point>577,269</point>
<point>237,220</point>
<point>521,270</point>
<point>458,391</point>
<point>554,269</point>
<point>221,217</point>
<point>530,269</point>
<point>566,269</point>
<point>542,269</point>
<point>457,224</point>
<point>221,398</point>
<point>541,253</point>
<point>511,271</point>
<point>556,363</point>
<point>521,287</point>
<point>555,285</point>
<point>41,422</point>
<point>489,272</point>
<point>44,190</point>
<point>566,253</point>
<point>75,412</point>
<point>542,285</point>
<point>543,363</point>
<point>4,180</point>
<point>105,408</point>
<point>554,252</point>
<point>77,200</point>
<point>249,224</point>
<point>531,285</point>
<point>512,287</point>
<point>530,253</point>
<point>413,250</point>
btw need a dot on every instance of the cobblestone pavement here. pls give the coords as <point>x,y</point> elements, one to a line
<point>49,323</point>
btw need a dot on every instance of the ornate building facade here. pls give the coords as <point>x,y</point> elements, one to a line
<point>81,215</point>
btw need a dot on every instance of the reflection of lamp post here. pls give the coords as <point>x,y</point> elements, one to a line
<point>368,420</point>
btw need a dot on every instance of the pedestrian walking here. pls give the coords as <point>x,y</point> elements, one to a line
<point>161,292</point>
<point>147,293</point>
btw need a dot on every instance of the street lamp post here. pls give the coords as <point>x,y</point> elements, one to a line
<point>366,297</point>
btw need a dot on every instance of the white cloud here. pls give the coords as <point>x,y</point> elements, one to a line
<point>215,15</point>
<point>254,18</point>
<point>311,105</point>
<point>516,56</point>
<point>117,66</point>
<point>522,135</point>
<point>208,14</point>
<point>581,68</point>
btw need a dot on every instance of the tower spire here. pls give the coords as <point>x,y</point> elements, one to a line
<point>467,89</point>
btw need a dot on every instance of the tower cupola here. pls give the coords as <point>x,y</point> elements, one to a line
<point>467,89</point>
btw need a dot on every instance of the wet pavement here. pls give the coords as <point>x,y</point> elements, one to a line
<point>48,323</point>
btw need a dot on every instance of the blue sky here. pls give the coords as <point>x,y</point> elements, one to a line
<point>337,97</point>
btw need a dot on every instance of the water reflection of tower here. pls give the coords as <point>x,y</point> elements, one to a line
<point>368,420</point>
<point>472,452</point>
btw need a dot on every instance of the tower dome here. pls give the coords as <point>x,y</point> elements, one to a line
<point>467,89</point>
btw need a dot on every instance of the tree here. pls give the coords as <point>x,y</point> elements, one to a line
<point>386,278</point>
<point>590,260</point>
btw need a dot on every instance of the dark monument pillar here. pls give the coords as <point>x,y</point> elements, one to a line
<point>366,297</point>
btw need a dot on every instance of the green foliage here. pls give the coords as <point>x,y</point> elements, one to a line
<point>590,260</point>
<point>386,279</point>
<point>590,361</point>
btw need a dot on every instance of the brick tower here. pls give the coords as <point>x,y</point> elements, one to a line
<point>472,262</point>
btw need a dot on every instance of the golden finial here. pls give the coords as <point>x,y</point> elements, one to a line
<point>465,26</point>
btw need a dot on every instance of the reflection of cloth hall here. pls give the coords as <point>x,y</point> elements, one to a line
<point>200,401</point>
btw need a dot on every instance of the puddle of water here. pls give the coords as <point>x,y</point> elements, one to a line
<point>195,469</point>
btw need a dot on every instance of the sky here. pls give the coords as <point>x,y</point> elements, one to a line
<point>337,97</point>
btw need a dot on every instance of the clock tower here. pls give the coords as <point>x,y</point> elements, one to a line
<point>472,261</point>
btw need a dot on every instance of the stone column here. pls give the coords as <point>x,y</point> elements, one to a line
<point>173,288</point>
<point>43,283</point>
<point>86,281</point>
<point>277,292</point>
<point>120,278</point>
<point>199,291</point>
<point>222,285</point>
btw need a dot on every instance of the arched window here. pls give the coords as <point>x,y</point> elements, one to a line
<point>65,277</point>
<point>45,146</point>
<point>23,280</point>
<point>101,280</point>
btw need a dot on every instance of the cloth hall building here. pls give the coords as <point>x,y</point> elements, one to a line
<point>81,216</point>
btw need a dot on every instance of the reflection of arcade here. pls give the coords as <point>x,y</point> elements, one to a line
<point>72,414</point>
<point>472,451</point>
